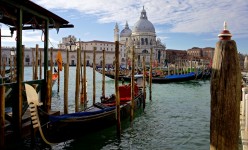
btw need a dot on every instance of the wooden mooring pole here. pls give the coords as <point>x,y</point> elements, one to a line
<point>225,95</point>
<point>41,65</point>
<point>66,77</point>
<point>85,81</point>
<point>77,80</point>
<point>150,77</point>
<point>94,75</point>
<point>144,82</point>
<point>132,85</point>
<point>118,115</point>
<point>36,63</point>
<point>49,91</point>
<point>103,73</point>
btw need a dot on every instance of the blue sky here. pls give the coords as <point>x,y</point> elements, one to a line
<point>180,24</point>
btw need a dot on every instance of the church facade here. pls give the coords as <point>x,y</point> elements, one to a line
<point>142,38</point>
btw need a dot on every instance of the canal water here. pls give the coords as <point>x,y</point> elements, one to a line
<point>177,117</point>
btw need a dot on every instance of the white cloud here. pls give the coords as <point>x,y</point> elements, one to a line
<point>191,16</point>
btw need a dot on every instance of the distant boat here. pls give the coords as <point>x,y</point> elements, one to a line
<point>174,78</point>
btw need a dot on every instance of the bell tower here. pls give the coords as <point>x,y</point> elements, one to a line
<point>116,33</point>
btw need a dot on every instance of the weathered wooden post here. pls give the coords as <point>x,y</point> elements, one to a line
<point>132,86</point>
<point>103,73</point>
<point>41,65</point>
<point>48,100</point>
<point>85,81</point>
<point>118,115</point>
<point>94,75</point>
<point>36,62</point>
<point>33,65</point>
<point>11,68</point>
<point>66,77</point>
<point>225,94</point>
<point>150,77</point>
<point>77,80</point>
<point>144,82</point>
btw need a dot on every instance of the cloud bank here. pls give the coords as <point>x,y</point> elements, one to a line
<point>191,16</point>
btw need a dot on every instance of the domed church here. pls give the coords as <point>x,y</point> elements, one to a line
<point>143,38</point>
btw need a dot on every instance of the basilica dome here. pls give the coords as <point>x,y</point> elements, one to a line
<point>143,24</point>
<point>126,32</point>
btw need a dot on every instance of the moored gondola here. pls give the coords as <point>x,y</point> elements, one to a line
<point>96,117</point>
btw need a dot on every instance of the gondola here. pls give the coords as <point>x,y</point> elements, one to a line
<point>123,77</point>
<point>96,117</point>
<point>174,78</point>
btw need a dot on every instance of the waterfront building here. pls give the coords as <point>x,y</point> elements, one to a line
<point>69,43</point>
<point>142,38</point>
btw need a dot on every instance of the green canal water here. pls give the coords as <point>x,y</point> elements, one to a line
<point>177,118</point>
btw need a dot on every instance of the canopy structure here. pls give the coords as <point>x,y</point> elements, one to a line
<point>22,15</point>
<point>33,15</point>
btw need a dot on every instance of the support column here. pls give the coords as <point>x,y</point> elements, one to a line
<point>17,102</point>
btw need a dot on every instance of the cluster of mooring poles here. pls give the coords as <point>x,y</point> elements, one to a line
<point>225,94</point>
<point>118,119</point>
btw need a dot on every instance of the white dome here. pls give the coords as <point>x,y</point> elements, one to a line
<point>126,32</point>
<point>143,25</point>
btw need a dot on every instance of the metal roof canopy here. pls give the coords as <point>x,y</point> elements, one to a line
<point>24,15</point>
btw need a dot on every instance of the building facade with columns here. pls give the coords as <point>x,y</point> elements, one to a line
<point>142,38</point>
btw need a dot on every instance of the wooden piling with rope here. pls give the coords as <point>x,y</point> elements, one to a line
<point>225,95</point>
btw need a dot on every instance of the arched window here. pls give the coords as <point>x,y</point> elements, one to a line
<point>146,40</point>
<point>142,41</point>
<point>27,59</point>
<point>145,51</point>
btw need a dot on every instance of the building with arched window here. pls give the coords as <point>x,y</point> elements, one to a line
<point>142,38</point>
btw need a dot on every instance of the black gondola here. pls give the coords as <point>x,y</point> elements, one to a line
<point>99,116</point>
